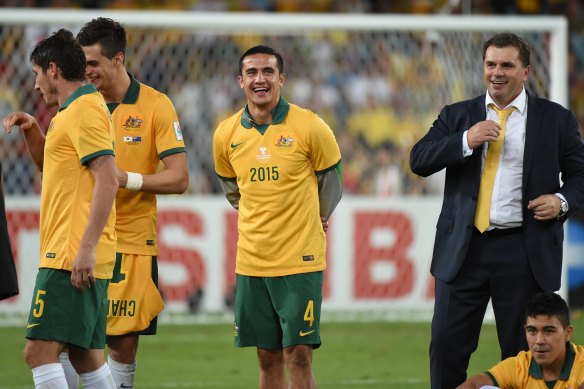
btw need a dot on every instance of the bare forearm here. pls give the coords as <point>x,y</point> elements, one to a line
<point>164,182</point>
<point>35,143</point>
<point>102,202</point>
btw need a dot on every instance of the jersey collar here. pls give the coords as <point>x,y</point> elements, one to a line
<point>131,95</point>
<point>279,113</point>
<point>535,369</point>
<point>82,90</point>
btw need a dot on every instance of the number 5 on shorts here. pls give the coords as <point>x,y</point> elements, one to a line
<point>309,313</point>
<point>38,312</point>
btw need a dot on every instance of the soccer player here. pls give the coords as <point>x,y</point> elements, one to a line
<point>551,362</point>
<point>279,165</point>
<point>147,132</point>
<point>77,235</point>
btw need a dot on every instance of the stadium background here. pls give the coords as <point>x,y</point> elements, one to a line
<point>378,90</point>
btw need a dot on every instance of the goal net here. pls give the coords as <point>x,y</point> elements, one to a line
<point>378,80</point>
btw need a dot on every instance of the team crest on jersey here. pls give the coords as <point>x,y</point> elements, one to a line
<point>132,140</point>
<point>133,123</point>
<point>263,154</point>
<point>284,143</point>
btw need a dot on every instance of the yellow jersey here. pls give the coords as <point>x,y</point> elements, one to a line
<point>275,166</point>
<point>523,371</point>
<point>80,131</point>
<point>147,130</point>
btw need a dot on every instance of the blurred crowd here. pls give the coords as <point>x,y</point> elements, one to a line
<point>377,112</point>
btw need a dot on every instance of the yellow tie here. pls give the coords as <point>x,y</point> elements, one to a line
<point>482,216</point>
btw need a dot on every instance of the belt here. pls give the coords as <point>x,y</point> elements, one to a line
<point>501,231</point>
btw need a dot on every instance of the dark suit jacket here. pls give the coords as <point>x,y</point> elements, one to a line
<point>8,279</point>
<point>552,146</point>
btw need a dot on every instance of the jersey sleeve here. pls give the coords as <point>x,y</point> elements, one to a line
<point>223,167</point>
<point>324,153</point>
<point>505,374</point>
<point>92,135</point>
<point>167,131</point>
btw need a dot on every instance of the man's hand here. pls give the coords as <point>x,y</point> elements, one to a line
<point>545,207</point>
<point>20,119</point>
<point>83,268</point>
<point>485,131</point>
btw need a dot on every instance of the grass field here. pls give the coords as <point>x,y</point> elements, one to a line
<point>353,355</point>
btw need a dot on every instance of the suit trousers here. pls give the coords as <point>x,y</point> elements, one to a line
<point>496,267</point>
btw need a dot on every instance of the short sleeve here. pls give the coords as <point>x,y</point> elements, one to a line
<point>92,134</point>
<point>223,166</point>
<point>324,152</point>
<point>167,131</point>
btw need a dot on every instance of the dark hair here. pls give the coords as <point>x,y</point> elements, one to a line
<point>62,49</point>
<point>110,34</point>
<point>262,50</point>
<point>506,39</point>
<point>549,304</point>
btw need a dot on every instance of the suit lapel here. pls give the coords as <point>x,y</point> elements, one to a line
<point>478,113</point>
<point>532,129</point>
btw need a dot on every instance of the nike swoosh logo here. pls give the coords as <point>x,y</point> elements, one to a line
<point>234,145</point>
<point>302,333</point>
<point>32,325</point>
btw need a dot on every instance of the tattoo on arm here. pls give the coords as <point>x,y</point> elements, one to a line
<point>97,162</point>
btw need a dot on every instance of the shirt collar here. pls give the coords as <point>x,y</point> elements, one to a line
<point>520,102</point>
<point>535,369</point>
<point>133,91</point>
<point>278,114</point>
<point>82,90</point>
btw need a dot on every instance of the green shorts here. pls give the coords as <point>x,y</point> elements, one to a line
<point>65,314</point>
<point>278,312</point>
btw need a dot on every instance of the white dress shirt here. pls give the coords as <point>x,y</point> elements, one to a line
<point>506,200</point>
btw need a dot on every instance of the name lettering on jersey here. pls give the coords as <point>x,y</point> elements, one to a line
<point>132,140</point>
<point>177,131</point>
<point>133,123</point>
<point>121,308</point>
<point>263,154</point>
<point>50,255</point>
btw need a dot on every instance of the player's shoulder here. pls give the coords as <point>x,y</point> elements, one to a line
<point>305,120</point>
<point>230,124</point>
<point>300,112</point>
<point>150,94</point>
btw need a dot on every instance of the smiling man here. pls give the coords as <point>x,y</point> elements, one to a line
<point>551,362</point>
<point>279,165</point>
<point>500,231</point>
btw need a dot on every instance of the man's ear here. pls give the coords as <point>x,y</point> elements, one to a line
<point>53,70</point>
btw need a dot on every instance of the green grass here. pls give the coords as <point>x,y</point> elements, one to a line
<point>353,355</point>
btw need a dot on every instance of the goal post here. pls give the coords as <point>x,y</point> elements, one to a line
<point>378,80</point>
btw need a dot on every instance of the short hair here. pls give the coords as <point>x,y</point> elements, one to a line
<point>506,39</point>
<point>62,49</point>
<point>110,34</point>
<point>549,304</point>
<point>260,49</point>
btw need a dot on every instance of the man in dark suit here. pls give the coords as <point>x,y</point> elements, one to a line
<point>500,231</point>
<point>8,279</point>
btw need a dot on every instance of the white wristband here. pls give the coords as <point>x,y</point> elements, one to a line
<point>135,181</point>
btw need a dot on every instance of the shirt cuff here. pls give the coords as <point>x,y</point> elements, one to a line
<point>466,150</point>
